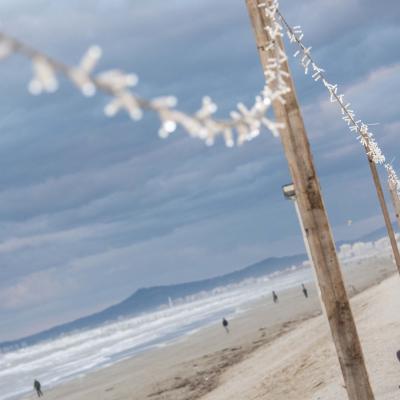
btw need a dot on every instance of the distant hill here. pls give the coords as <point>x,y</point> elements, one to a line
<point>147,299</point>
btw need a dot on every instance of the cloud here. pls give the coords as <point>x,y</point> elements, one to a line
<point>32,290</point>
<point>104,206</point>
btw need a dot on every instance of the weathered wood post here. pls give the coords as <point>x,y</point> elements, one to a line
<point>396,201</point>
<point>315,220</point>
<point>385,212</point>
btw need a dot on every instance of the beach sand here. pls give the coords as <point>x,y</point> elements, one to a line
<point>273,351</point>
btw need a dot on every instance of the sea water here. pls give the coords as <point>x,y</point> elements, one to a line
<point>78,353</point>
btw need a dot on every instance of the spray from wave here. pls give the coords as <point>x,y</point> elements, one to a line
<point>77,353</point>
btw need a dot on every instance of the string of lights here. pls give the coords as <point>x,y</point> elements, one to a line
<point>243,125</point>
<point>361,129</point>
<point>275,75</point>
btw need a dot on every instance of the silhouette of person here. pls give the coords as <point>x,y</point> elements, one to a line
<point>275,297</point>
<point>38,387</point>
<point>225,324</point>
<point>305,292</point>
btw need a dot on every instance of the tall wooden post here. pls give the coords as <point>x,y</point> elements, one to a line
<point>316,224</point>
<point>385,211</point>
<point>396,202</point>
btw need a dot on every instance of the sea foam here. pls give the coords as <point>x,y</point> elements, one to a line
<point>77,353</point>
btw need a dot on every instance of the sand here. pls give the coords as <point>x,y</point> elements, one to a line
<point>273,351</point>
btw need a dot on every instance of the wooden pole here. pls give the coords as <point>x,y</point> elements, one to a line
<point>385,211</point>
<point>396,202</point>
<point>307,246</point>
<point>316,224</point>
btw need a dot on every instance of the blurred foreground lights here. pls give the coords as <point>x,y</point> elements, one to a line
<point>6,48</point>
<point>243,125</point>
<point>167,128</point>
<point>83,82</point>
<point>90,59</point>
<point>116,79</point>
<point>164,102</point>
<point>88,89</point>
<point>210,141</point>
<point>111,109</point>
<point>44,78</point>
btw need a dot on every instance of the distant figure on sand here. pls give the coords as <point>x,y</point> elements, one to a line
<point>305,292</point>
<point>225,324</point>
<point>274,297</point>
<point>38,387</point>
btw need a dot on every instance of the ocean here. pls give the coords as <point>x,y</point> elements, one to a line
<point>78,353</point>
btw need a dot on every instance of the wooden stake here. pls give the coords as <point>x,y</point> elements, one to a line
<point>316,224</point>
<point>396,202</point>
<point>385,211</point>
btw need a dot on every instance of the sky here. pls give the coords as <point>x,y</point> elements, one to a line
<point>92,208</point>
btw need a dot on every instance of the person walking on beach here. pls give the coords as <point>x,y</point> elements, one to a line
<point>38,387</point>
<point>225,324</point>
<point>305,292</point>
<point>275,297</point>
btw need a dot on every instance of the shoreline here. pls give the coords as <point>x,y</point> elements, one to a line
<point>303,364</point>
<point>192,366</point>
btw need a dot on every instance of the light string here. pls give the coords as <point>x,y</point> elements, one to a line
<point>243,125</point>
<point>275,74</point>
<point>365,137</point>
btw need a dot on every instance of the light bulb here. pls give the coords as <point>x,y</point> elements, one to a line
<point>169,126</point>
<point>88,89</point>
<point>35,87</point>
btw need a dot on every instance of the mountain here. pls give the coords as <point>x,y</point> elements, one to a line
<point>147,299</point>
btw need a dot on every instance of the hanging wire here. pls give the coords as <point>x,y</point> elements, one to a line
<point>243,125</point>
<point>365,137</point>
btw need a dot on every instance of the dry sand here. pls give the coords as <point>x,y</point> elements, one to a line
<point>281,351</point>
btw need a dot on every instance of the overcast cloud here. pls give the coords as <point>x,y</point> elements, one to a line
<point>93,208</point>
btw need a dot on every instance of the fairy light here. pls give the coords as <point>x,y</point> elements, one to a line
<point>356,126</point>
<point>275,75</point>
<point>243,125</point>
<point>393,179</point>
<point>44,79</point>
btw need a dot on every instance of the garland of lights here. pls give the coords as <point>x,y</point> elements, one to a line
<point>275,74</point>
<point>245,122</point>
<point>365,137</point>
